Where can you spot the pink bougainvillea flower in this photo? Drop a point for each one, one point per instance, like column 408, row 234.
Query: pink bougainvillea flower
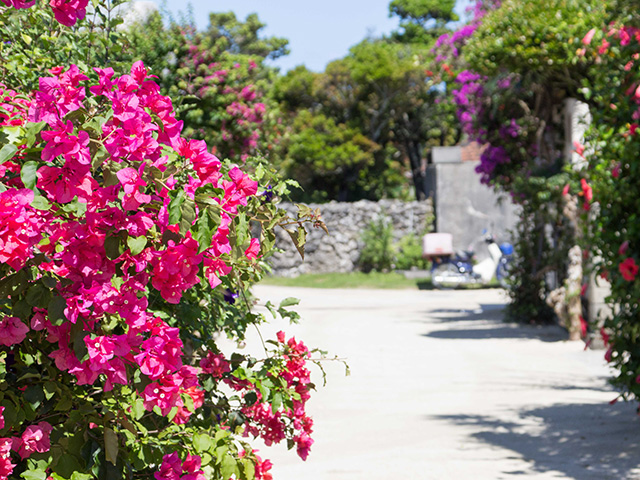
column 579, row 148
column 303, row 445
column 34, row 439
column 68, row 12
column 19, row 3
column 12, row 331
column 608, row 355
column 253, row 250
column 565, row 190
column 133, row 186
column 6, row 467
column 171, row 468
column 615, row 172
column 628, row 269
column 215, row 365
column 624, row 246
column 19, row 227
column 588, row 37
column 214, row 269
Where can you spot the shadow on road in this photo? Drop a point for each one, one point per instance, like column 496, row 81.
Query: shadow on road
column 583, row 441
column 488, row 323
column 508, row 331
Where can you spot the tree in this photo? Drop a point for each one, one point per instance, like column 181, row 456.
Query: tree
column 399, row 103
column 226, row 33
column 219, row 78
column 422, row 21
column 329, row 160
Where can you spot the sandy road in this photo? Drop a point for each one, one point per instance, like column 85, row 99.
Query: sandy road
column 441, row 388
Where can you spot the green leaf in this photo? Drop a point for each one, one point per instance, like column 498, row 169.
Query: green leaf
column 229, row 467
column 202, row 442
column 34, row 395
column 56, row 309
column 204, row 232
column 277, row 402
column 34, row 475
column 28, row 174
column 66, row 465
column 81, row 476
column 289, row 301
column 38, row 296
column 50, row 389
column 7, row 152
column 64, row 404
column 31, row 131
column 138, row 409
column 136, row 244
column 110, row 445
column 40, row 203
column 112, row 247
column 188, row 216
column 175, row 212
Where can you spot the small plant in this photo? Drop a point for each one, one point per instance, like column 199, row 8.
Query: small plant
column 409, row 253
column 378, row 252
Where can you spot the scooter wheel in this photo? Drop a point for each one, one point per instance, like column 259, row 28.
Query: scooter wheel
column 445, row 276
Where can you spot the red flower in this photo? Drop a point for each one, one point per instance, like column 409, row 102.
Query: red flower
column 587, row 193
column 615, row 173
column 583, row 327
column 628, row 269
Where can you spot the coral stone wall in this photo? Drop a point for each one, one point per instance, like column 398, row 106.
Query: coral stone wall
column 339, row 251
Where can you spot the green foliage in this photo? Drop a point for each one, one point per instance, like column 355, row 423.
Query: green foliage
column 228, row 34
column 218, row 79
column 528, row 271
column 422, row 21
column 537, row 38
column 33, row 42
column 613, row 230
column 409, row 254
column 382, row 91
column 329, row 161
column 529, row 52
column 377, row 252
column 296, row 89
column 377, row 280
column 381, row 253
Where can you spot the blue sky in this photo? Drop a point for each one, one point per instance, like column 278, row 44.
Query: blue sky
column 318, row 31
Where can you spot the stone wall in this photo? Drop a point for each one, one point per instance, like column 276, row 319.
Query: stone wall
column 339, row 251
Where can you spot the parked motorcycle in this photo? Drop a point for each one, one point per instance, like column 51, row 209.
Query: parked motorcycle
column 451, row 269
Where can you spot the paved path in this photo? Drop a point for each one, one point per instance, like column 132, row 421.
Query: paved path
column 441, row 388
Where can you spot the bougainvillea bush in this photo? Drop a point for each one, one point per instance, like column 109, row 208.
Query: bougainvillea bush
column 614, row 175
column 124, row 249
column 517, row 63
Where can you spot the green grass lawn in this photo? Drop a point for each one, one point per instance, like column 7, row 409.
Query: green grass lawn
column 350, row 280
column 391, row 280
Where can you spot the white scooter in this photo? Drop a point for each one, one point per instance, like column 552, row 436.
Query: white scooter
column 450, row 270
